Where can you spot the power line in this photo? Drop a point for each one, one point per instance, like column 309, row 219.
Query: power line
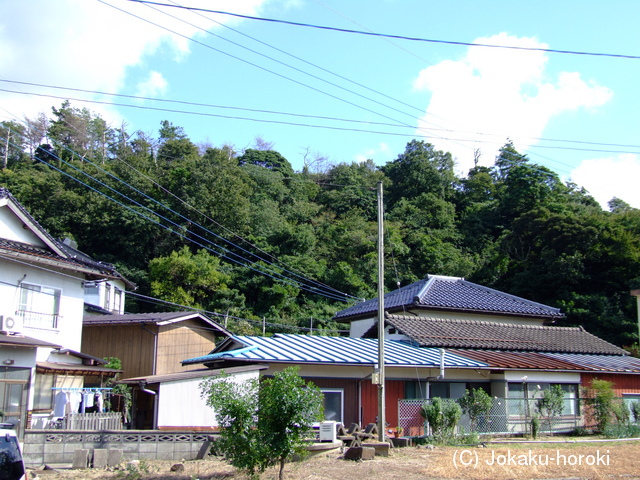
column 397, row 37
column 327, row 127
column 305, row 284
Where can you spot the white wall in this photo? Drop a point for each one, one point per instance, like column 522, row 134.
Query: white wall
column 69, row 331
column 180, row 404
column 11, row 228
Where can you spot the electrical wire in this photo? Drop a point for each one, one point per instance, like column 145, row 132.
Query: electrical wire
column 301, row 283
column 397, row 37
column 275, row 276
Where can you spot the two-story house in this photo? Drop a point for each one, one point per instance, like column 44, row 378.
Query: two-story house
column 42, row 295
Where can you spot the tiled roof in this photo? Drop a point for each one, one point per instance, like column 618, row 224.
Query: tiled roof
column 451, row 293
column 331, row 351
column 486, row 335
column 55, row 251
column 161, row 318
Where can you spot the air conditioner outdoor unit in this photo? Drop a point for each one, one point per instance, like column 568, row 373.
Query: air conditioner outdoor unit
column 328, row 431
column 10, row 324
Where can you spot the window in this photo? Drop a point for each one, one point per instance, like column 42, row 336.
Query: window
column 534, row 392
column 333, row 404
column 107, row 296
column 39, row 306
column 117, row 302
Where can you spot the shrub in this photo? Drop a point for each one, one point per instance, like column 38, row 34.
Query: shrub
column 476, row 404
column 442, row 416
column 263, row 424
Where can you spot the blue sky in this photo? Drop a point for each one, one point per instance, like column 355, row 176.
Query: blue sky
column 459, row 98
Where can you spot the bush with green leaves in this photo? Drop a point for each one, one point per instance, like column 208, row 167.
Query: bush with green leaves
column 476, row 404
column 635, row 411
column 263, row 423
column 443, row 416
column 602, row 405
column 551, row 404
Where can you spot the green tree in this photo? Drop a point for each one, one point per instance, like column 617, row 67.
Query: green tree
column 443, row 416
column 263, row 424
column 551, row 403
column 476, row 404
column 187, row 279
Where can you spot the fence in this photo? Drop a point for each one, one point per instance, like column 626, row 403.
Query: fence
column 42, row 447
column 506, row 416
column 94, row 421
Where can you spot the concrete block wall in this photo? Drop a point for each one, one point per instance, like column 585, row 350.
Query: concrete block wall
column 48, row 447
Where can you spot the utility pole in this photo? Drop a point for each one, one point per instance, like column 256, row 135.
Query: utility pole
column 382, row 424
column 636, row 293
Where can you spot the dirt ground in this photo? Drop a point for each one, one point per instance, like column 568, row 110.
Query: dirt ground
column 618, row 460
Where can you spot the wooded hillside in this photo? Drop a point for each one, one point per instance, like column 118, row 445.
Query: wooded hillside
column 242, row 234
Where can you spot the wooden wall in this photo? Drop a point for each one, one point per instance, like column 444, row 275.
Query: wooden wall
column 180, row 341
column 350, row 387
column 132, row 344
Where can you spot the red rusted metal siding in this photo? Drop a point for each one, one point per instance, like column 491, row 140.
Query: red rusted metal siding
column 621, row 383
column 394, row 391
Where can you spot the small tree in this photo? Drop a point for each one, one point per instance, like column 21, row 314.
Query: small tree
column 551, row 404
column 288, row 408
column 236, row 410
column 476, row 404
column 600, row 398
column 443, row 416
column 262, row 424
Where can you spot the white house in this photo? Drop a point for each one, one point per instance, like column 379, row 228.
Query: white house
column 42, row 292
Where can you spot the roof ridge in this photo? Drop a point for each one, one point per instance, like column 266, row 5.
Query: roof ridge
column 477, row 322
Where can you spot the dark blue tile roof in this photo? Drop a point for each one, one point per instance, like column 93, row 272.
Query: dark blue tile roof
column 451, row 293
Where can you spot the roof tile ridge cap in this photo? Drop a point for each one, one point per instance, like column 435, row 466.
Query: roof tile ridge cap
column 505, row 294
column 428, row 282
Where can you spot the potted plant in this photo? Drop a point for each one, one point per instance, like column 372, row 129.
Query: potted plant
column 399, row 431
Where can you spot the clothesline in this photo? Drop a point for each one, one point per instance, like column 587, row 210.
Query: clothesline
column 81, row 389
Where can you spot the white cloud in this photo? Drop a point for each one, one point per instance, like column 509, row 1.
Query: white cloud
column 155, row 85
column 379, row 154
column 88, row 45
column 495, row 94
column 610, row 177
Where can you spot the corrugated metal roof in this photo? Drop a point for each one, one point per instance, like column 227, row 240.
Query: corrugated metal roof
column 191, row 374
column 452, row 293
column 517, row 360
column 602, row 363
column 160, row 318
column 334, row 350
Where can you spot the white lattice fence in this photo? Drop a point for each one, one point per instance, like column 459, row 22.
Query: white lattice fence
column 507, row 415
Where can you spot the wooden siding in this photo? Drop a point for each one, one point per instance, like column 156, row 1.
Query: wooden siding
column 622, row 383
column 179, row 341
column 132, row 344
column 350, row 388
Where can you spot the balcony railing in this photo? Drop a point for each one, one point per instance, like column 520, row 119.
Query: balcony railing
column 45, row 321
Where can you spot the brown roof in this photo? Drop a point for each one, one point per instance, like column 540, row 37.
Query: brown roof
column 74, row 369
column 161, row 318
column 517, row 360
column 22, row 341
column 486, row 335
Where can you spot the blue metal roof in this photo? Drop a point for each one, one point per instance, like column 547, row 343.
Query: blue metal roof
column 439, row 292
column 285, row 348
column 602, row 363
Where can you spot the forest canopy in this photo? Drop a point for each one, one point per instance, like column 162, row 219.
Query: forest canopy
column 243, row 235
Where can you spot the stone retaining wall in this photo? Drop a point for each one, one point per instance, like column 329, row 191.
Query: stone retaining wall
column 47, row 447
